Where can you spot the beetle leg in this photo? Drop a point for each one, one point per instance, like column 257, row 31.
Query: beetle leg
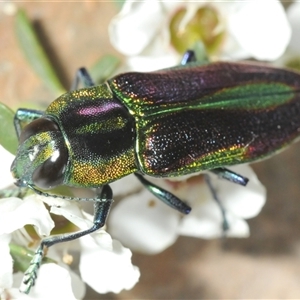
column 188, row 56
column 82, row 77
column 167, row 197
column 230, row 176
column 24, row 115
column 225, row 225
column 101, row 209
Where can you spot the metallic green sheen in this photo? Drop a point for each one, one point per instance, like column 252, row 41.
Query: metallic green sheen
column 196, row 118
column 98, row 132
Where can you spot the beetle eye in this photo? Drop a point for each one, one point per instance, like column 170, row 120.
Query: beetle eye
column 51, row 172
column 37, row 126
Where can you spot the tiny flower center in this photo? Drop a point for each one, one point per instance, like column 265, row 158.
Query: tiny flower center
column 202, row 25
column 151, row 203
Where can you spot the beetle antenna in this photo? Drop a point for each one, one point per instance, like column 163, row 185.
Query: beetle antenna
column 38, row 192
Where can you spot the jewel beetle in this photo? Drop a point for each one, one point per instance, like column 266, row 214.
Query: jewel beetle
column 194, row 117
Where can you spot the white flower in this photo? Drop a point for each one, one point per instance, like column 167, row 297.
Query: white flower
column 293, row 14
column 291, row 57
column 105, row 264
column 240, row 203
column 144, row 224
column 112, row 259
column 54, row 282
column 153, row 34
column 15, row 213
column 6, row 271
column 107, row 269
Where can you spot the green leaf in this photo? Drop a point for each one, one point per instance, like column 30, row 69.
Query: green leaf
column 119, row 3
column 35, row 53
column 8, row 137
column 104, row 68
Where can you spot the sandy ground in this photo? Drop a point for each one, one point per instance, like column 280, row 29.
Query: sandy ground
column 266, row 265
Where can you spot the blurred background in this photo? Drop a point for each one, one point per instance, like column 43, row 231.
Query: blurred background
column 265, row 265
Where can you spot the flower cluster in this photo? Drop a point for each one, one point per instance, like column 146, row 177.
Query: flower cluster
column 104, row 263
column 161, row 31
column 159, row 34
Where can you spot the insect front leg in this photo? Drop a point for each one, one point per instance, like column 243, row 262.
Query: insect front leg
column 24, row 116
column 188, row 56
column 198, row 55
column 101, row 209
column 167, row 197
column 82, row 77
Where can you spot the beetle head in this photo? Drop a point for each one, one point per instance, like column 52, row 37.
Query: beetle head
column 42, row 155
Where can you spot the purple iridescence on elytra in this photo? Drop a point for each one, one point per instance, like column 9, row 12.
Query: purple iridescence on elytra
column 96, row 110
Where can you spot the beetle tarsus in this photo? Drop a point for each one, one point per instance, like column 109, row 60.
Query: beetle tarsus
column 101, row 209
column 30, row 274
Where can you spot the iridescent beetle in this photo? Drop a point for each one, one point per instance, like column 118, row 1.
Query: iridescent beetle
column 172, row 122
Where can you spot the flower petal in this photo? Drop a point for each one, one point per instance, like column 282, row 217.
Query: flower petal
column 130, row 32
column 14, row 293
column 152, row 63
column 245, row 202
column 205, row 219
column 104, row 270
column 144, row 223
column 16, row 213
column 83, row 221
column 6, row 270
column 127, row 185
column 261, row 28
column 78, row 286
column 54, row 282
column 74, row 214
column 293, row 14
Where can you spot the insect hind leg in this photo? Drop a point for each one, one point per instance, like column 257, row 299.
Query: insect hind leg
column 101, row 209
column 231, row 176
column 225, row 224
column 165, row 196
